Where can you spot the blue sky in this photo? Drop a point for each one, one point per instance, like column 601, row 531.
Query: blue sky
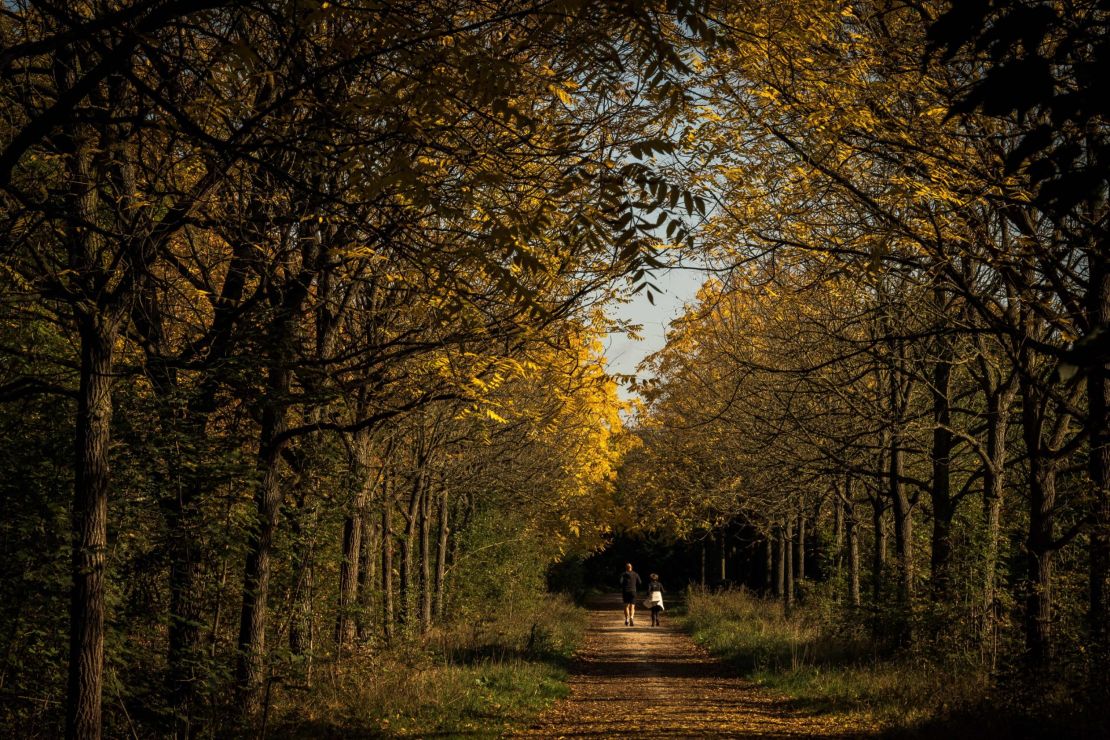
column 678, row 287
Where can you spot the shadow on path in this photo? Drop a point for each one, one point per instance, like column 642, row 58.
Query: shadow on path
column 656, row 680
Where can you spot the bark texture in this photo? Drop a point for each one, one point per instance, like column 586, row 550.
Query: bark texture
column 90, row 527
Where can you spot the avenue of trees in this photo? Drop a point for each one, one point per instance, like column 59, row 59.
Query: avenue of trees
column 302, row 305
column 899, row 375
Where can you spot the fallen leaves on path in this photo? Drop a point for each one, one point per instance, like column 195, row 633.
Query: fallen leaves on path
column 656, row 680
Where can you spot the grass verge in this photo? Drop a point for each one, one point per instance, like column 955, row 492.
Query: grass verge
column 829, row 665
column 473, row 680
column 827, row 660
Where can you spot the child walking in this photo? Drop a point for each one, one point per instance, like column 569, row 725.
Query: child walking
column 655, row 594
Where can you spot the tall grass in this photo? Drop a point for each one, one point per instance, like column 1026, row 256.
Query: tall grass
column 475, row 678
column 828, row 662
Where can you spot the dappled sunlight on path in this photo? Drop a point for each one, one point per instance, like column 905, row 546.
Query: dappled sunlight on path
column 656, row 680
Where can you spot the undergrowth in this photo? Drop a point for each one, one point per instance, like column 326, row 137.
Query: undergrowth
column 475, row 678
column 827, row 663
column 828, row 659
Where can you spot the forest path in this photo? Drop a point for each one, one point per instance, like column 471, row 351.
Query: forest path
column 643, row 679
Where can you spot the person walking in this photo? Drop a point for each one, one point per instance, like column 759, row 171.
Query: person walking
column 655, row 597
column 630, row 581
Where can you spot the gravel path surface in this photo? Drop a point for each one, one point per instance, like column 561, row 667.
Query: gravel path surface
column 643, row 679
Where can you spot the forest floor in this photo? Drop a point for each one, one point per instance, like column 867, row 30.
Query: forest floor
column 645, row 679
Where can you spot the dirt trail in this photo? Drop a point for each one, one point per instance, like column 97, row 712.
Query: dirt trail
column 656, row 680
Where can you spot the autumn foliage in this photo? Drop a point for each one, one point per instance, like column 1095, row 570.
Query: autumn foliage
column 303, row 304
column 893, row 393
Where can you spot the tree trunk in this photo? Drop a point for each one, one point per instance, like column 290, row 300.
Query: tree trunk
column 941, row 489
column 367, row 571
column 183, row 517
column 780, row 560
column 180, row 485
column 1098, row 406
column 838, row 528
column 722, row 542
column 387, row 559
column 426, row 585
column 852, row 527
column 1039, row 540
column 98, row 327
column 903, row 524
column 903, row 539
column 813, row 552
column 788, row 564
column 302, row 619
column 349, row 579
column 353, row 527
column 405, row 577
column 878, row 554
column 286, row 300
column 768, row 564
column 800, row 551
column 90, row 527
column 256, row 576
column 903, row 521
column 993, row 490
column 441, row 556
column 407, row 592
column 302, row 622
